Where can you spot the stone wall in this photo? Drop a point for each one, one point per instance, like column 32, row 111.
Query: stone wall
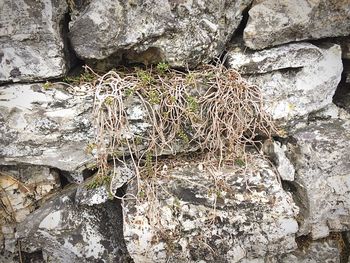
column 292, row 206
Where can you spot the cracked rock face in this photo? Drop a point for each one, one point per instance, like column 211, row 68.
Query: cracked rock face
column 31, row 42
column 179, row 32
column 321, row 158
column 67, row 229
column 44, row 127
column 296, row 79
column 22, row 190
column 327, row 251
column 253, row 217
column 272, row 22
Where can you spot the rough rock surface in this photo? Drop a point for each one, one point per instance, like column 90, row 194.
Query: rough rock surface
column 272, row 22
column 327, row 251
column 296, row 79
column 49, row 127
column 221, row 216
column 22, row 190
column 31, row 41
column 179, row 32
column 320, row 153
column 68, row 229
column 277, row 152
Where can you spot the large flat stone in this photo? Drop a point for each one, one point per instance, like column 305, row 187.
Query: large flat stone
column 179, row 32
column 31, row 41
column 66, row 229
column 272, row 22
column 320, row 153
column 296, row 79
column 49, row 127
column 328, row 250
column 195, row 214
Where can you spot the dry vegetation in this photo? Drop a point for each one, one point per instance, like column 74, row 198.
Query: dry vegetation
column 211, row 110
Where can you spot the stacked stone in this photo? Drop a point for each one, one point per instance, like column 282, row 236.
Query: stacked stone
column 294, row 209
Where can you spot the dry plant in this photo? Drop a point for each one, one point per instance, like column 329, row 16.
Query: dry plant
column 212, row 110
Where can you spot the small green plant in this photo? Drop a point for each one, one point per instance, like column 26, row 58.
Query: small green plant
column 239, row 162
column 109, row 101
column 47, row 85
column 149, row 164
column 153, row 97
column 129, row 92
column 86, row 77
column 145, row 77
column 98, row 181
column 192, row 102
column 183, row 136
column 90, row 148
column 162, row 67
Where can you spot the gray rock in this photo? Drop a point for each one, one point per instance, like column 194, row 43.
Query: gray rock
column 326, row 251
column 296, row 79
column 65, row 229
column 195, row 214
column 22, row 189
column 179, row 32
column 272, row 22
column 320, row 153
column 24, row 186
column 277, row 152
column 31, row 41
column 49, row 127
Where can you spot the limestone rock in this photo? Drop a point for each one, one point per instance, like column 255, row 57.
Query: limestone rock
column 179, row 32
column 277, row 152
column 273, row 22
column 327, row 251
column 65, row 229
column 49, row 127
column 31, row 41
column 195, row 214
column 23, row 188
column 296, row 79
column 320, row 153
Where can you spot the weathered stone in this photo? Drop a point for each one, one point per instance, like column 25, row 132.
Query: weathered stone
column 272, row 22
column 194, row 214
column 49, row 127
column 277, row 153
column 327, row 251
column 31, row 41
column 290, row 56
column 320, row 153
column 22, row 190
column 179, row 32
column 296, row 79
column 66, row 229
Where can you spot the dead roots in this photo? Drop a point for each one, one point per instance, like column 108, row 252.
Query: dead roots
column 211, row 110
